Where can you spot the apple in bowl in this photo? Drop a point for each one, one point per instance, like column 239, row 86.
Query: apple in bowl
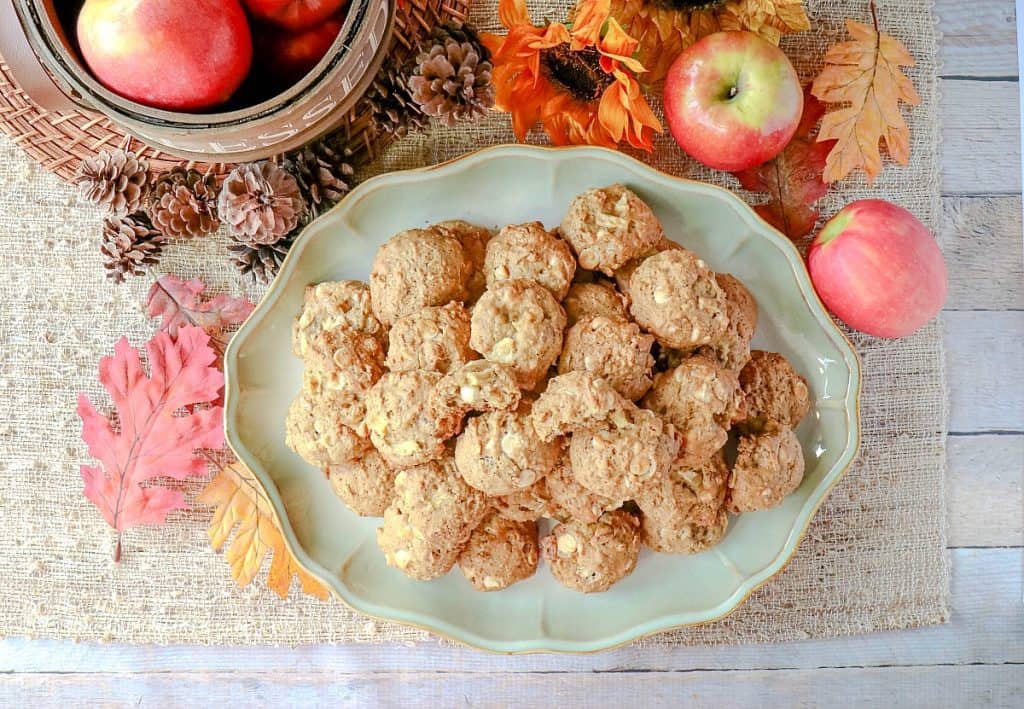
column 878, row 269
column 287, row 56
column 294, row 15
column 170, row 54
column 733, row 100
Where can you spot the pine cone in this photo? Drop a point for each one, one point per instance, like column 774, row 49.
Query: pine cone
column 321, row 172
column 117, row 180
column 452, row 79
column 461, row 33
column 260, row 202
column 392, row 109
column 183, row 204
column 130, row 243
column 260, row 262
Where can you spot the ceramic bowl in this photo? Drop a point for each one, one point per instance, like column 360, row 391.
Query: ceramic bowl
column 501, row 186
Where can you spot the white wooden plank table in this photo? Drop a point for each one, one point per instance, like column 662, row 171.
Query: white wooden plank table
column 975, row 660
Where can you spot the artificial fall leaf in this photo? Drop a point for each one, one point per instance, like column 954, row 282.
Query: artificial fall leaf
column 157, row 430
column 240, row 502
column 793, row 179
column 865, row 73
column 179, row 303
column 769, row 18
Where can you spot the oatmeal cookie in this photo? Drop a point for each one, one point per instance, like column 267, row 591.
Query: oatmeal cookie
column 615, row 350
column 572, row 402
column 775, row 393
column 474, row 240
column 499, row 452
column 596, row 298
column 591, row 556
column 681, row 536
column 768, row 467
column 366, row 484
column 674, row 296
column 335, row 305
column 318, row 436
column 415, row 269
column 531, row 252
column 430, row 519
column 341, row 366
column 435, row 338
column 702, row 399
column 732, row 349
column 633, row 448
column 623, row 274
column 527, row 505
column 519, row 323
column 686, row 494
column 607, row 227
column 480, row 386
column 500, row 553
column 401, row 422
column 570, row 500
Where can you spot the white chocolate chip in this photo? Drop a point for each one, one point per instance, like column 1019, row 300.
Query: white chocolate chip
column 406, row 447
column 512, row 445
column 660, row 296
column 468, row 394
column 378, row 424
column 567, row 544
column 491, row 582
column 504, row 351
column 402, row 557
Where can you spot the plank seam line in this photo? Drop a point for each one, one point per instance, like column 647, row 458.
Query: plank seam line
column 1007, row 79
column 233, row 674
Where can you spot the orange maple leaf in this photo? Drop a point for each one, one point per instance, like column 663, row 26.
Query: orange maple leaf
column 240, row 502
column 793, row 179
column 866, row 74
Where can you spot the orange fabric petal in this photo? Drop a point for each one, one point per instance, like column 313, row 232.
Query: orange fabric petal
column 589, row 19
column 625, row 114
column 513, row 12
column 618, row 47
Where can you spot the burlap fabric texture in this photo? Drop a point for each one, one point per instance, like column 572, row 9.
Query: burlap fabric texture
column 873, row 559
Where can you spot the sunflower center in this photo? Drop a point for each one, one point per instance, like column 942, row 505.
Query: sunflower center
column 578, row 72
column 685, row 5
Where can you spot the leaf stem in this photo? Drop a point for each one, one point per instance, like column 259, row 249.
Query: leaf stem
column 117, row 549
column 874, row 14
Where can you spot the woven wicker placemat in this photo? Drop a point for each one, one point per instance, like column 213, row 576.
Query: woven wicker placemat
column 874, row 557
column 59, row 142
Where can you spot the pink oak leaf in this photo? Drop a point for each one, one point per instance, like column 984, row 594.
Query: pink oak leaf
column 157, row 431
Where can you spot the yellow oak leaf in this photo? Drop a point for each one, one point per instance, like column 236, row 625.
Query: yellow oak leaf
column 239, row 502
column 866, row 74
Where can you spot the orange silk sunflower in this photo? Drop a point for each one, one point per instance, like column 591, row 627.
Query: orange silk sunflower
column 579, row 83
column 664, row 28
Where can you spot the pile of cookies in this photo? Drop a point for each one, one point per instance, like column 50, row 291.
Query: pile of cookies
column 591, row 375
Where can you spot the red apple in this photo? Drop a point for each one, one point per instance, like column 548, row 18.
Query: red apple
column 182, row 56
column 289, row 56
column 878, row 269
column 294, row 15
column 733, row 100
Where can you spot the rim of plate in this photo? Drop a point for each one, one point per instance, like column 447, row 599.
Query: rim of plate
column 548, row 644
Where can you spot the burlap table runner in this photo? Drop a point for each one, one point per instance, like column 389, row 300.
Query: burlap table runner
column 873, row 559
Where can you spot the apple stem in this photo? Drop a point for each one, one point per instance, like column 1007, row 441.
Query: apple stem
column 874, row 14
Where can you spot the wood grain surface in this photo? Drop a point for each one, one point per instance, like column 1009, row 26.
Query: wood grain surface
column 975, row 660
